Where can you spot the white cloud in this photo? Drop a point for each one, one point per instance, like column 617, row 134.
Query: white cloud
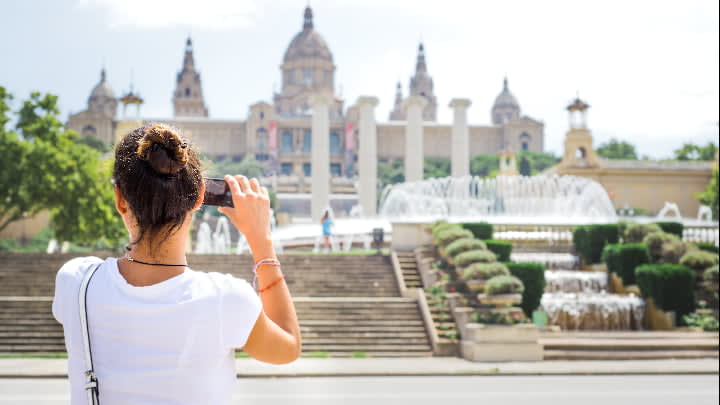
column 205, row 14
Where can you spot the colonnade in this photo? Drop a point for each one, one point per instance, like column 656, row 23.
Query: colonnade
column 367, row 148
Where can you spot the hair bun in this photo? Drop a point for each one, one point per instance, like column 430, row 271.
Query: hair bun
column 163, row 149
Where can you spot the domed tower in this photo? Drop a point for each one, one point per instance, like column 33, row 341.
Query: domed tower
column 421, row 84
column 188, row 97
column 102, row 98
column 506, row 107
column 307, row 68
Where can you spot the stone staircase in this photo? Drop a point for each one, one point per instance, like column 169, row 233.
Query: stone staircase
column 442, row 318
column 347, row 305
column 630, row 345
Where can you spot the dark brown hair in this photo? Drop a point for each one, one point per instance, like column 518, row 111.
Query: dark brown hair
column 159, row 175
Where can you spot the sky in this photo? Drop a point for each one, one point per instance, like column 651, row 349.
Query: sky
column 649, row 69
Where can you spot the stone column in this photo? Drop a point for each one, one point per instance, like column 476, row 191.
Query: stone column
column 414, row 153
column 320, row 155
column 460, row 151
column 367, row 155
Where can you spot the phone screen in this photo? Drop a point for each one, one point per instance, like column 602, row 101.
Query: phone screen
column 217, row 192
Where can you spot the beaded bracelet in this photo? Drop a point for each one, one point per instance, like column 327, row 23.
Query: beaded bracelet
column 269, row 262
column 271, row 285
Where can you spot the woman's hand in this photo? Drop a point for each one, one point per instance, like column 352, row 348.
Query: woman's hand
column 251, row 212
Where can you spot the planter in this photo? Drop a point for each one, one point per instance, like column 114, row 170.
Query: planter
column 501, row 343
column 455, row 300
column 463, row 316
column 476, row 285
column 500, row 300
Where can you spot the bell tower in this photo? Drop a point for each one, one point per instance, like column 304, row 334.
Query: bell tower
column 579, row 151
column 188, row 97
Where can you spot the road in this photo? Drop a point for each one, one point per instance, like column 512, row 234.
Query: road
column 510, row 390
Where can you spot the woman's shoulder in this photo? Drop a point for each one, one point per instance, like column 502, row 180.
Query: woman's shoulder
column 76, row 268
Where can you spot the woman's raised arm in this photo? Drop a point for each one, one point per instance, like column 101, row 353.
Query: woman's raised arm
column 275, row 338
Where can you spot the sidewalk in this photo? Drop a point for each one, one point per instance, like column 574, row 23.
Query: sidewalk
column 432, row 366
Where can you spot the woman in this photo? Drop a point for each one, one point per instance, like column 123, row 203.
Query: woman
column 160, row 332
column 327, row 224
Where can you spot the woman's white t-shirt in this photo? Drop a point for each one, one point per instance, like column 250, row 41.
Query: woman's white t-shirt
column 170, row 343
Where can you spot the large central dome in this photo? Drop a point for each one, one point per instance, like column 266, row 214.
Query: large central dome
column 308, row 43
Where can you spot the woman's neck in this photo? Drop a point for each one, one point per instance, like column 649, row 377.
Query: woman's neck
column 169, row 251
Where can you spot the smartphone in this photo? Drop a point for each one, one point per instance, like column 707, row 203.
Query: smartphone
column 217, row 192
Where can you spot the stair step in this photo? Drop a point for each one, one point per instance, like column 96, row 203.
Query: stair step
column 627, row 355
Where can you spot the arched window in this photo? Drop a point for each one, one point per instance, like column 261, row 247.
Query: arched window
column 307, row 141
column 335, row 169
column 335, row 147
column 307, row 76
column 286, row 142
column 88, row 130
column 187, row 92
column 307, row 169
column 262, row 140
column 524, row 141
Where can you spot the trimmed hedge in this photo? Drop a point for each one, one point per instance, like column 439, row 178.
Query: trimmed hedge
column 711, row 274
column 655, row 241
column 441, row 227
column 532, row 276
column 708, row 247
column 590, row 240
column 481, row 230
column 623, row 259
column 699, row 260
column 675, row 228
column 635, row 233
column 501, row 249
column 463, row 245
column 485, row 271
column 474, row 256
column 450, row 235
column 671, row 286
column 504, row 285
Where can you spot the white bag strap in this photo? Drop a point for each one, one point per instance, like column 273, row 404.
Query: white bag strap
column 91, row 382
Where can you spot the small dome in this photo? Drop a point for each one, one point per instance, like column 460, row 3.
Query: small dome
column 308, row 43
column 102, row 89
column 505, row 98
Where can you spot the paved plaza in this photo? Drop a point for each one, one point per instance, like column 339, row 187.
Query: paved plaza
column 460, row 390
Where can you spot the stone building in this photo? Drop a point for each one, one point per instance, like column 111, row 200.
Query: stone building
column 632, row 184
column 279, row 133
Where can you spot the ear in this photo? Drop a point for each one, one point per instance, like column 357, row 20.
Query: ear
column 202, row 197
column 121, row 204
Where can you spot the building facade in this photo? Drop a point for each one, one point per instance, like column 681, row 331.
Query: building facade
column 279, row 133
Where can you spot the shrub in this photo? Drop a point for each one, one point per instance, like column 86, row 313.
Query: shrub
column 707, row 322
column 501, row 249
column 442, row 226
column 708, row 247
column 675, row 228
column 498, row 318
column 655, row 241
column 504, row 285
column 481, row 230
column 463, row 245
column 669, row 285
column 635, row 233
column 699, row 260
column 590, row 240
column 623, row 259
column 622, row 227
column 474, row 256
column 711, row 274
column 532, row 276
column 485, row 271
column 450, row 235
column 673, row 251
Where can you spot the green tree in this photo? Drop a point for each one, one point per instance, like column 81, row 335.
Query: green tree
column 484, row 165
column 94, row 142
column 248, row 167
column 690, row 151
column 525, row 168
column 616, row 149
column 436, row 167
column 391, row 172
column 51, row 171
column 709, row 197
column 539, row 162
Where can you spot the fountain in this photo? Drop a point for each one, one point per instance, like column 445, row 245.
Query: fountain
column 593, row 311
column 503, row 199
column 569, row 281
column 667, row 209
column 704, row 213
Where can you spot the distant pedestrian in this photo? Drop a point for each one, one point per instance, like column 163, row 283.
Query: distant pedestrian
column 327, row 225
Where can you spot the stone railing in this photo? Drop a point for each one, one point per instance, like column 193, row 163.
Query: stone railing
column 704, row 234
